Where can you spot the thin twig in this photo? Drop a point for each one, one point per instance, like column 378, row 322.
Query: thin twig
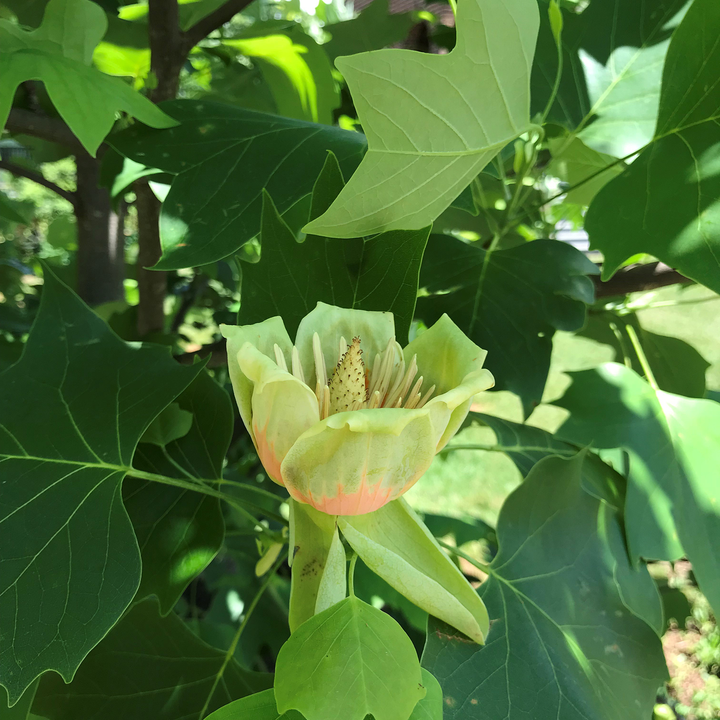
column 216, row 19
column 233, row 645
column 37, row 177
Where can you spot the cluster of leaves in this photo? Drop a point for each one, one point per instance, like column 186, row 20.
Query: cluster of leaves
column 141, row 548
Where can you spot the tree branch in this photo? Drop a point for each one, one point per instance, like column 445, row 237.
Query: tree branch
column 202, row 28
column 638, row 278
column 37, row 177
column 54, row 130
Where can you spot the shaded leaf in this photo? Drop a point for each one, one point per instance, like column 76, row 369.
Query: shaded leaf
column 170, row 425
column 380, row 273
column 434, row 121
column 678, row 367
column 672, row 505
column 375, row 28
column 72, row 410
column 563, row 645
column 666, row 203
column 59, row 53
column 237, row 153
column 147, row 667
column 180, row 531
column 355, row 660
column 509, row 302
column 431, row 706
column 9, row 211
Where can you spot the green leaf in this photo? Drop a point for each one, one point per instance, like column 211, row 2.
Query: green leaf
column 375, row 28
column 355, row 661
column 678, row 367
column 431, row 706
column 59, row 53
column 63, row 232
column 563, row 645
column 574, row 162
column 612, row 57
column 434, row 121
column 72, row 410
column 298, row 72
column 9, row 211
column 214, row 147
column 509, row 302
column 260, row 706
column 147, row 667
column 180, row 531
column 380, row 273
column 21, row 709
column 171, row 424
column 673, row 497
column 665, row 203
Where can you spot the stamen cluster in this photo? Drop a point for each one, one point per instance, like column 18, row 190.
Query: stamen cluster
column 354, row 386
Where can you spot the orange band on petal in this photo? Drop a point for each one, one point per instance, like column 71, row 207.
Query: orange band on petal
column 266, row 453
column 366, row 499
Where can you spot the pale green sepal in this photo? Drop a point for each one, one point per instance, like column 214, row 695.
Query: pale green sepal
column 333, row 583
column 395, row 544
column 311, row 537
column 264, row 336
column 331, row 323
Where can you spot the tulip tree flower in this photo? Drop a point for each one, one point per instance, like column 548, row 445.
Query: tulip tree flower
column 346, row 419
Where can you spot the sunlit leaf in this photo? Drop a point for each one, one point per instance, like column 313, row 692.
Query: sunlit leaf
column 434, row 121
column 355, row 660
column 563, row 644
column 666, row 202
column 71, row 413
column 213, row 148
column 59, row 53
column 673, row 497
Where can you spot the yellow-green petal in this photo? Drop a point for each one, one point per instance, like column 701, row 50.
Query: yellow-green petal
column 282, row 408
column 395, row 544
column 314, row 552
column 356, row 462
column 452, row 362
column 331, row 323
column 264, row 336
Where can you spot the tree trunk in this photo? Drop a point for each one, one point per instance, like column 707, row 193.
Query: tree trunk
column 101, row 237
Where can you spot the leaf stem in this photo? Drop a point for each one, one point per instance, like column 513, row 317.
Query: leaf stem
column 642, row 357
column 508, row 449
column 233, row 645
column 485, row 568
column 351, row 575
column 177, row 465
column 558, row 79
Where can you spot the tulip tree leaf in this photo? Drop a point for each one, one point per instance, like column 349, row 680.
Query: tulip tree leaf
column 147, row 667
column 21, row 709
column 434, row 121
column 260, row 706
column 375, row 28
column 380, row 273
column 666, row 202
column 509, row 302
column 673, row 497
column 180, row 531
column 562, row 643
column 678, row 367
column 612, row 55
column 59, row 53
column 72, row 410
column 297, row 71
column 213, row 148
column 355, row 661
